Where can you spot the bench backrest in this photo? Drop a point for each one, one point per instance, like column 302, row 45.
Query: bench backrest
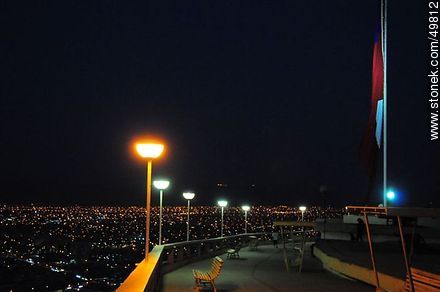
column 423, row 281
column 216, row 267
column 253, row 243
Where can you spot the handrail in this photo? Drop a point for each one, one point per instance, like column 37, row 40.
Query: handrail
column 396, row 211
column 143, row 276
column 182, row 243
column 165, row 258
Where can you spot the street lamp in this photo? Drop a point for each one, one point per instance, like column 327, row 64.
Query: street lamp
column 149, row 151
column 302, row 209
column 188, row 196
column 245, row 208
column 161, row 185
column 391, row 195
column 222, row 204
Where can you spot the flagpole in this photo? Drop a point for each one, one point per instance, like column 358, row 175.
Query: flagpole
column 385, row 127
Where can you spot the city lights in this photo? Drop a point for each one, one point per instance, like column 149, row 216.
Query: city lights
column 112, row 238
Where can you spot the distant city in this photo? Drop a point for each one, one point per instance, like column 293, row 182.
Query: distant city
column 75, row 248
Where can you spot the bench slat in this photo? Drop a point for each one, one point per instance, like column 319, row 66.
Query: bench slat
column 212, row 274
column 423, row 281
column 423, row 276
column 421, row 287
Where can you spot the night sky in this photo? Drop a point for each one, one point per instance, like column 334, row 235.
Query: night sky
column 274, row 94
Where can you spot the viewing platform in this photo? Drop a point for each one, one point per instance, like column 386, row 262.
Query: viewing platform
column 263, row 270
column 257, row 269
column 302, row 263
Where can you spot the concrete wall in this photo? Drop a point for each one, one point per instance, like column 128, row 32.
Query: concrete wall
column 352, row 219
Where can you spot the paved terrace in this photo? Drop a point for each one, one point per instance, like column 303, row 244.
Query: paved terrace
column 263, row 270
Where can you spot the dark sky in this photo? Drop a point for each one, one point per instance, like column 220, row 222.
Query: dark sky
column 271, row 93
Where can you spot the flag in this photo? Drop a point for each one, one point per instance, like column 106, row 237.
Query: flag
column 372, row 139
column 377, row 88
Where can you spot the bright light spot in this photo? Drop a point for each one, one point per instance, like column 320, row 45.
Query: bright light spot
column 149, row 150
column 222, row 203
column 391, row 195
column 302, row 208
column 189, row 196
column 161, row 184
column 245, row 208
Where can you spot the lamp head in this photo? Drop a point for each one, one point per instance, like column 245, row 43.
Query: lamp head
column 302, row 208
column 149, row 150
column 161, row 184
column 391, row 195
column 222, row 203
column 245, row 208
column 188, row 195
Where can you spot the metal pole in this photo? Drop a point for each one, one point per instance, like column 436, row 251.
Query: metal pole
column 187, row 223
column 402, row 240
column 325, row 213
column 302, row 216
column 370, row 244
column 385, row 123
column 222, row 224
column 245, row 222
column 160, row 217
column 303, row 242
column 286, row 260
column 411, row 251
column 147, row 221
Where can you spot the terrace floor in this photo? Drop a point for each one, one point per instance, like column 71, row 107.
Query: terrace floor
column 264, row 270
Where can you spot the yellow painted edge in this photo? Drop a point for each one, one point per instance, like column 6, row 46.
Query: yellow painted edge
column 139, row 277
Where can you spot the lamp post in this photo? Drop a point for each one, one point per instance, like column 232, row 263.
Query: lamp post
column 188, row 196
column 149, row 151
column 302, row 209
column 222, row 204
column 161, row 185
column 245, row 208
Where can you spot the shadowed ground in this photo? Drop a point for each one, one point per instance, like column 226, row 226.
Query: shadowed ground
column 264, row 270
column 389, row 255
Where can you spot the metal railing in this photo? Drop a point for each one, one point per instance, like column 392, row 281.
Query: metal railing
column 168, row 257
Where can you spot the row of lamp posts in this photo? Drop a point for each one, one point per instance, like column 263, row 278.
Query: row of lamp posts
column 162, row 185
column 150, row 150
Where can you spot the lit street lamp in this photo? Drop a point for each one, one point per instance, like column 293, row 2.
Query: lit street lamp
column 222, row 204
column 391, row 195
column 302, row 209
column 161, row 185
column 245, row 208
column 149, row 151
column 188, row 196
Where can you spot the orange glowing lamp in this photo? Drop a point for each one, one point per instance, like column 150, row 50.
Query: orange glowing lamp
column 149, row 150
